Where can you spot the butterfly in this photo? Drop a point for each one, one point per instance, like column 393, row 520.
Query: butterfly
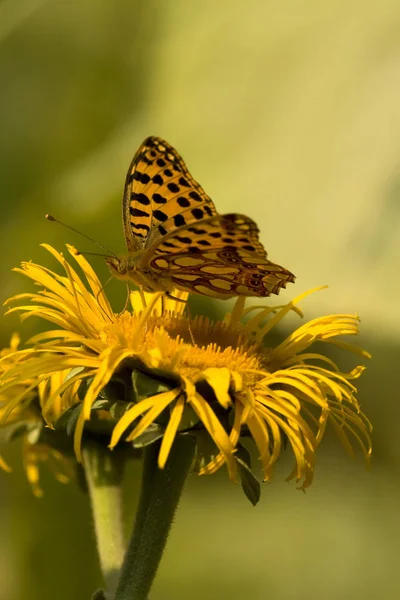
column 176, row 238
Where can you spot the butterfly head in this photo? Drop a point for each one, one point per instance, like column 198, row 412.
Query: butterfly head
column 121, row 268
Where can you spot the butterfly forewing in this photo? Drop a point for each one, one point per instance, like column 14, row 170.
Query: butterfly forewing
column 160, row 195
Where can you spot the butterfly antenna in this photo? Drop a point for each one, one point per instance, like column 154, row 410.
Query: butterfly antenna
column 110, row 253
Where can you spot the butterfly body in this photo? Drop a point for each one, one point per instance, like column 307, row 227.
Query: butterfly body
column 176, row 238
column 126, row 269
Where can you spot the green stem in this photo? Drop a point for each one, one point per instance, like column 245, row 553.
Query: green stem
column 161, row 490
column 103, row 470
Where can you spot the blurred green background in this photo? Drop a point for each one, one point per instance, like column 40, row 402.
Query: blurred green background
column 288, row 112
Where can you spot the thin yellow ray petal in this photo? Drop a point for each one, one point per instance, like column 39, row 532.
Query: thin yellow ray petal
column 80, row 424
column 279, row 316
column 170, row 432
column 133, row 413
column 109, row 361
column 213, row 466
column 159, row 405
column 216, row 431
column 219, row 378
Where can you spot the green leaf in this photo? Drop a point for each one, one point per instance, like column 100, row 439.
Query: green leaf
column 250, row 484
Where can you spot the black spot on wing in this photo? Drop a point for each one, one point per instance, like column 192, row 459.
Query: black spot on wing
column 141, row 198
column 160, row 215
column 183, row 239
column 197, row 231
column 158, row 180
column 195, row 196
column 140, row 226
column 198, row 213
column 158, row 199
column 184, row 202
column 173, row 187
column 136, row 212
column 138, row 176
column 179, row 220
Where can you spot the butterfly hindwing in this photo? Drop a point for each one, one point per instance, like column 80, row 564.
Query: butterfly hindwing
column 160, row 195
column 222, row 272
column 221, row 257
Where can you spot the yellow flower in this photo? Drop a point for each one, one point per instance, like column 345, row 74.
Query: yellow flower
column 25, row 411
column 156, row 372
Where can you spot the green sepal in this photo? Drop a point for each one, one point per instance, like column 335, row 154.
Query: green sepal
column 68, row 419
column 100, row 404
column 145, row 385
column 118, row 409
column 118, row 389
column 153, row 433
column 189, row 419
column 250, row 484
column 74, row 371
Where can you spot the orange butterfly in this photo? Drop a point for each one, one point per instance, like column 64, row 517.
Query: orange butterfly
column 176, row 238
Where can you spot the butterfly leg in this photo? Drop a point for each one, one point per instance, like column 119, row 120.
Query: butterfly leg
column 190, row 329
column 142, row 297
column 128, row 294
column 169, row 295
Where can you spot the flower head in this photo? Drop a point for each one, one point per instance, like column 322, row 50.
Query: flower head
column 154, row 372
